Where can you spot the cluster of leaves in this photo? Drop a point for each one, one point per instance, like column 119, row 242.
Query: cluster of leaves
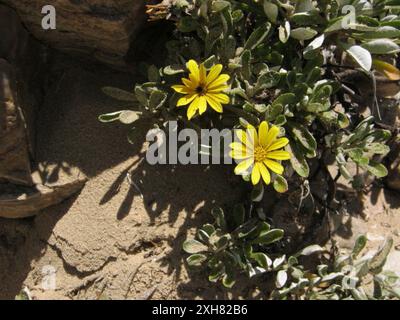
column 233, row 246
column 349, row 277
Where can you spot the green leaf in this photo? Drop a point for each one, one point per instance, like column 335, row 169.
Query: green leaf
column 281, row 279
column 359, row 245
column 110, row 117
column 258, row 193
column 258, row 36
column 173, row 70
column 360, row 55
column 119, row 94
column 228, row 281
column 196, row 260
column 219, row 5
column 298, row 161
column 194, row 246
column 382, row 32
column 128, row 116
column 157, row 99
column 377, row 169
column 303, row 136
column 303, row 33
column 314, row 45
column 269, row 237
column 381, row 46
column 262, row 259
column 310, row 250
column 280, row 184
column 284, row 32
column 219, row 217
column 379, row 259
column 271, row 10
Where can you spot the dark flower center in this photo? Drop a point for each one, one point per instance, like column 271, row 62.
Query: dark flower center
column 200, row 90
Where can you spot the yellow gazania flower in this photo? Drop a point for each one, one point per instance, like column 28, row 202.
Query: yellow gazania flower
column 202, row 89
column 258, row 152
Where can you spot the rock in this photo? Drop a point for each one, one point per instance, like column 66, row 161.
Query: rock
column 21, row 59
column 31, row 200
column 14, row 151
column 99, row 28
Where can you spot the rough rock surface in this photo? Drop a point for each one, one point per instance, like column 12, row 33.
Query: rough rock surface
column 14, row 151
column 99, row 28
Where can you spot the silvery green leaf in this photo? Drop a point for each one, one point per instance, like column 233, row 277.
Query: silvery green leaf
column 157, row 99
column 379, row 259
column 228, row 281
column 298, row 161
column 269, row 237
column 381, row 46
column 281, row 279
column 257, row 36
column 377, row 169
column 359, row 245
column 119, row 94
column 284, row 32
column 382, row 32
column 310, row 250
column 280, row 184
column 110, row 117
column 219, row 5
column 314, row 45
column 128, row 116
column 303, row 33
column 173, row 69
column 278, row 262
column 271, row 10
column 219, row 217
column 332, row 276
column 262, row 259
column 304, row 6
column 194, row 246
column 360, row 55
column 258, row 193
column 196, row 260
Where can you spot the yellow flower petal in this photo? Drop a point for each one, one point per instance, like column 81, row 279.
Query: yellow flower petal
column 203, row 74
column 188, row 83
column 181, row 89
column 278, row 144
column 202, row 104
column 194, row 69
column 272, row 135
column 266, row 176
column 244, row 166
column 252, row 135
column 193, row 108
column 218, row 89
column 274, row 166
column 245, row 139
column 239, row 151
column 221, row 80
column 214, row 73
column 216, row 105
column 223, row 98
column 186, row 100
column 262, row 133
column 278, row 155
column 255, row 175
column 239, row 155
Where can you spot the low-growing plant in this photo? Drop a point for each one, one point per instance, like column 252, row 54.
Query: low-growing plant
column 349, row 277
column 276, row 69
column 232, row 245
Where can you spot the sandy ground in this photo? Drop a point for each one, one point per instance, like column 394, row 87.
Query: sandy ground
column 112, row 242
